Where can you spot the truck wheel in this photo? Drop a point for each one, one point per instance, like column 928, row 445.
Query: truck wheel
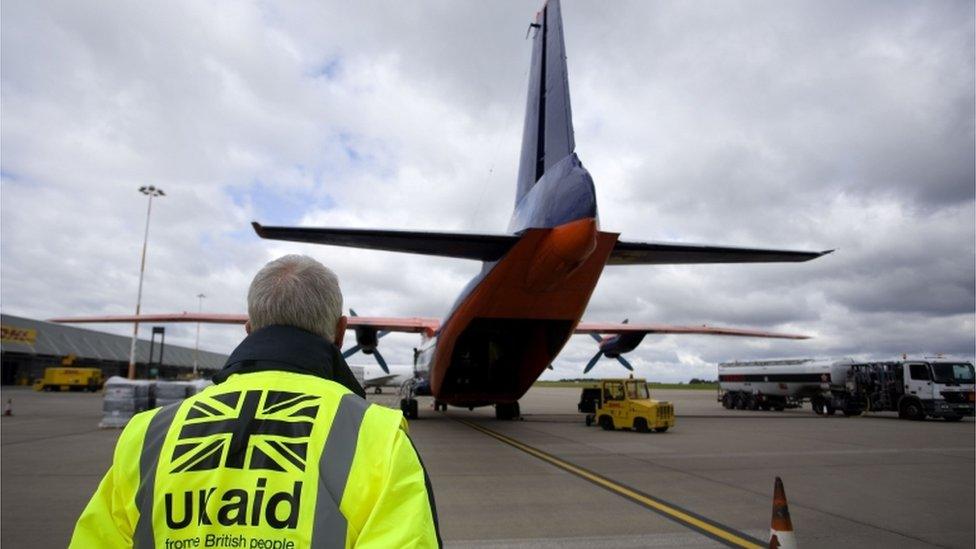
column 952, row 418
column 727, row 401
column 660, row 429
column 911, row 409
column 606, row 422
column 589, row 420
column 817, row 403
column 778, row 408
column 740, row 402
column 851, row 413
column 640, row 425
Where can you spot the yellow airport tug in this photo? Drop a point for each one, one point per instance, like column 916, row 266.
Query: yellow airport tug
column 625, row 404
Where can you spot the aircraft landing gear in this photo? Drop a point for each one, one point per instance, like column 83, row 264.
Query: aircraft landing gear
column 507, row 411
column 409, row 408
column 440, row 406
column 378, row 390
column 408, row 404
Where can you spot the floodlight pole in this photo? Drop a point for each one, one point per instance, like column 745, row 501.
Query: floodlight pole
column 196, row 348
column 151, row 192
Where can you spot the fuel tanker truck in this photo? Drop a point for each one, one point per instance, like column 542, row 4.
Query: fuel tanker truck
column 916, row 389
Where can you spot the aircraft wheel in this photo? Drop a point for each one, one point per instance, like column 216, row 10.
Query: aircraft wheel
column 378, row 391
column 507, row 410
column 409, row 408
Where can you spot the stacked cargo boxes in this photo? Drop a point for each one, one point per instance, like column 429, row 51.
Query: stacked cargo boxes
column 169, row 392
column 123, row 399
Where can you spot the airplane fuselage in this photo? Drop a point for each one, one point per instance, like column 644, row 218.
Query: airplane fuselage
column 514, row 317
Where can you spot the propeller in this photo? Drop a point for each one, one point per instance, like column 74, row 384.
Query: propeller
column 599, row 354
column 375, row 352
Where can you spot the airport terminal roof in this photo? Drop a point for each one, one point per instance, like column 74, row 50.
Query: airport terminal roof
column 25, row 335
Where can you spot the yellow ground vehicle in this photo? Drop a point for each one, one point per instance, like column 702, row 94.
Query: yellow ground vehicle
column 625, row 404
column 70, row 379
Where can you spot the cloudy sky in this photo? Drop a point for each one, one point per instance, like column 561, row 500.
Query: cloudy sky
column 807, row 125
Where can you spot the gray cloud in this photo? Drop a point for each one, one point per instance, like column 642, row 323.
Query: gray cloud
column 811, row 125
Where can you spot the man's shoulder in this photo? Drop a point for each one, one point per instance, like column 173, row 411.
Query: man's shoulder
column 381, row 417
column 277, row 381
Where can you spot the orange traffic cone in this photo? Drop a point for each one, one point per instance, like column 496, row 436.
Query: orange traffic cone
column 8, row 410
column 781, row 530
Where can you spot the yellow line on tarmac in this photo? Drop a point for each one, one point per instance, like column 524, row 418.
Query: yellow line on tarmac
column 691, row 520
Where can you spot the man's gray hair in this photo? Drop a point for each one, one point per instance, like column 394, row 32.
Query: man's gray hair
column 295, row 290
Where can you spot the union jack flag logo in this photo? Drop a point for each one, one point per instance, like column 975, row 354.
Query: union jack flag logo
column 262, row 429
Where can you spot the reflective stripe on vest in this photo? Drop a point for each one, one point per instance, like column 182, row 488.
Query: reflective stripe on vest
column 329, row 528
column 143, row 538
column 340, row 447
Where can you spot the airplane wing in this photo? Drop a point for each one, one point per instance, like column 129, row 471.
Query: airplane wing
column 379, row 380
column 391, row 324
column 491, row 247
column 661, row 253
column 483, row 247
column 205, row 318
column 622, row 328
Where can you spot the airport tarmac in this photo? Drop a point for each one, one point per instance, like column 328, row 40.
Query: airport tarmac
column 869, row 481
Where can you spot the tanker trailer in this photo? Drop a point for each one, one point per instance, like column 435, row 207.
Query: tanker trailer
column 783, row 383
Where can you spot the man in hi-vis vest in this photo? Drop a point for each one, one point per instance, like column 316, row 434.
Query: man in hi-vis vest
column 283, row 452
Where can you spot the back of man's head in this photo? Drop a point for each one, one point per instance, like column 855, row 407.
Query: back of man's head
column 295, row 290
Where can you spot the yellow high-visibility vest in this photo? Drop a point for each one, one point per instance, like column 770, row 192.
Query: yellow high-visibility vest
column 264, row 460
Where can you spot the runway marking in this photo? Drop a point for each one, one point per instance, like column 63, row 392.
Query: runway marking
column 689, row 519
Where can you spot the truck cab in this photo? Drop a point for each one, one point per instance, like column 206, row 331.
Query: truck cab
column 938, row 389
column 625, row 404
column 916, row 389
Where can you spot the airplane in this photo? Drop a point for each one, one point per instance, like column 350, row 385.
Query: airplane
column 513, row 318
column 376, row 378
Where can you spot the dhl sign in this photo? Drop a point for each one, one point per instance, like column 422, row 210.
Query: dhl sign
column 12, row 334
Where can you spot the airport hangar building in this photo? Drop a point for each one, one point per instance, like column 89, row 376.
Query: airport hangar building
column 29, row 346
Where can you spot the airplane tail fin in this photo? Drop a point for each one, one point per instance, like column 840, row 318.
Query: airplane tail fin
column 547, row 136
